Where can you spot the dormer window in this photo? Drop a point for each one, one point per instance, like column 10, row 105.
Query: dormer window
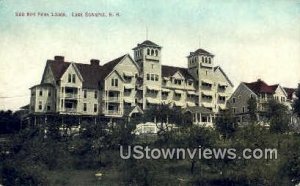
column 69, row 78
column 156, row 52
column 73, row 78
column 209, row 60
column 202, row 59
column 177, row 81
column 114, row 82
column 148, row 51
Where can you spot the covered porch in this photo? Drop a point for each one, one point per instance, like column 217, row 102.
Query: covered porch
column 200, row 116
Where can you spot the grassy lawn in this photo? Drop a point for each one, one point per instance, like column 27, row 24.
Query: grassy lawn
column 83, row 177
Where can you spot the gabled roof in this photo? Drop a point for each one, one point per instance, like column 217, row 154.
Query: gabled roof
column 290, row 92
column 58, row 68
column 201, row 51
column 147, row 43
column 109, row 66
column 260, row 86
column 168, row 71
column 93, row 75
column 221, row 70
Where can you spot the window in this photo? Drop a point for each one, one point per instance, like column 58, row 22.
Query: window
column 221, row 98
column 69, row 78
column 251, row 96
column 84, row 93
column 209, row 60
column 152, row 52
column 62, row 103
column 84, row 107
column 127, row 91
column 156, row 77
column 96, row 94
column 114, row 82
column 73, row 78
column 233, row 100
column 177, row 81
column 164, row 94
column 197, row 72
column 156, row 52
column 202, row 59
column 148, row 77
column 95, row 107
column 49, row 93
column 233, row 110
column 205, row 60
column 282, row 99
column 190, row 83
column 244, row 109
column 48, row 108
column 62, row 89
column 41, row 93
column 40, row 105
column 177, row 95
column 32, row 93
column 148, row 51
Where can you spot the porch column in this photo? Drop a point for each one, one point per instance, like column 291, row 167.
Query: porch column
column 200, row 118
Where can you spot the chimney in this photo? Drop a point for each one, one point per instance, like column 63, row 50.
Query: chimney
column 59, row 58
column 95, row 62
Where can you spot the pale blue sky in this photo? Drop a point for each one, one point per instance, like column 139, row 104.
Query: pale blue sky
column 250, row 38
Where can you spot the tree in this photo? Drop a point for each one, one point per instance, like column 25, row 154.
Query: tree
column 296, row 104
column 252, row 109
column 226, row 124
column 9, row 122
column 278, row 116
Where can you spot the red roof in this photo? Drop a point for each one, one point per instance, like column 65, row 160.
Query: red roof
column 260, row 86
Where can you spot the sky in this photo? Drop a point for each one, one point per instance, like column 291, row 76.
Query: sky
column 250, row 39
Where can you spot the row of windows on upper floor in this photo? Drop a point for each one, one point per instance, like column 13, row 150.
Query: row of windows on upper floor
column 150, row 52
column 262, row 96
column 193, row 60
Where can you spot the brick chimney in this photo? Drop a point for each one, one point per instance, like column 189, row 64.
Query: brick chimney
column 59, row 58
column 95, row 62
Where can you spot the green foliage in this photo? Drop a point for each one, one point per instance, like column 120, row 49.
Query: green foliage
column 252, row 109
column 9, row 122
column 34, row 154
column 278, row 116
column 226, row 124
column 296, row 104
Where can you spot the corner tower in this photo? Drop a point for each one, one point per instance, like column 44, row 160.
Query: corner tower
column 201, row 67
column 148, row 56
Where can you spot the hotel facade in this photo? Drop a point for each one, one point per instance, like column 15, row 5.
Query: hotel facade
column 129, row 85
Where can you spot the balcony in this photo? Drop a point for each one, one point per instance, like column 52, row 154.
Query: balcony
column 71, row 95
column 112, row 99
column 70, row 110
column 113, row 112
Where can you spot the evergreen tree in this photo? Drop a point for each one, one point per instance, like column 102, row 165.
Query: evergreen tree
column 296, row 104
